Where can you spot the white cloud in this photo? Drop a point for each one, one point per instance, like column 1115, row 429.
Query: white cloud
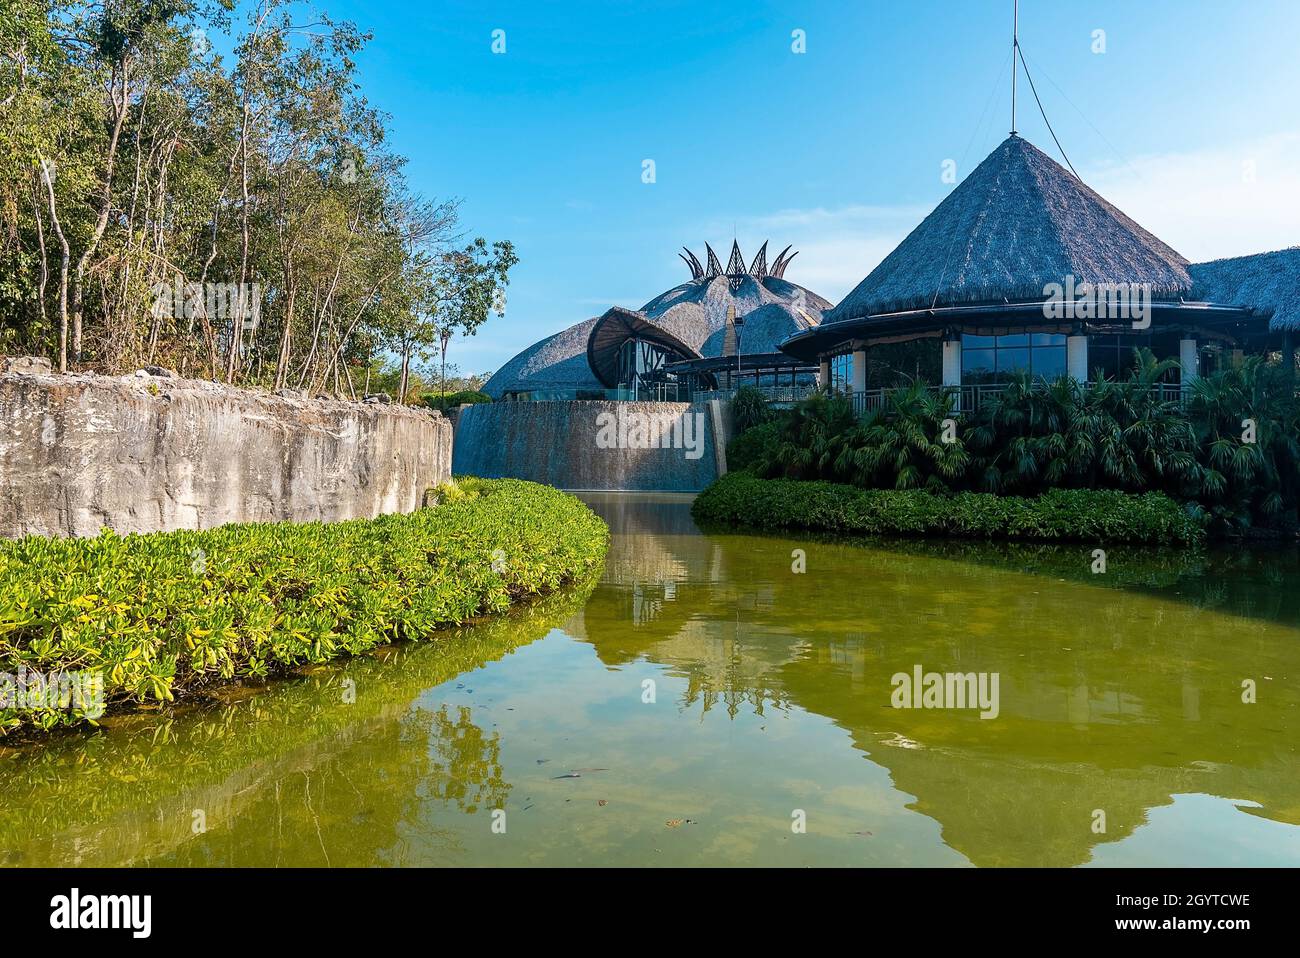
column 1226, row 200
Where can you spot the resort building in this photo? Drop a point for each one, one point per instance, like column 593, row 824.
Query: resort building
column 722, row 328
column 1025, row 269
column 1022, row 269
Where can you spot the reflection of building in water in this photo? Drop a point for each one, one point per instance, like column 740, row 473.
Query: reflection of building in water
column 668, row 589
column 1120, row 708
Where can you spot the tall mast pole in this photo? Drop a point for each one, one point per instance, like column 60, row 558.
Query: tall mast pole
column 1015, row 49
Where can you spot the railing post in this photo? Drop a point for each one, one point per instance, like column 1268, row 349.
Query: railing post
column 1189, row 358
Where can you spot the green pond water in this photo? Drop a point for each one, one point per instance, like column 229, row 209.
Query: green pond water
column 1119, row 692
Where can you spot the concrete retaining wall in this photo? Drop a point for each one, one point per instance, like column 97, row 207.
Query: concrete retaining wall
column 146, row 453
column 568, row 444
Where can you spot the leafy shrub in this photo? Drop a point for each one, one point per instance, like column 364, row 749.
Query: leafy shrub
column 901, row 444
column 814, row 434
column 749, row 408
column 445, row 401
column 453, row 490
column 755, row 446
column 1037, row 436
column 1242, row 481
column 162, row 614
column 742, row 499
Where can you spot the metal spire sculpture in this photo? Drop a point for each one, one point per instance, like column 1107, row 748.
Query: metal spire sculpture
column 759, row 268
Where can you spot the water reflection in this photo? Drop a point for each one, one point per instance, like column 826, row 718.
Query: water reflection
column 324, row 769
column 1120, row 693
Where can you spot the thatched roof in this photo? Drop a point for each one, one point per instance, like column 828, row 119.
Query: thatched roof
column 1017, row 223
column 1269, row 283
column 616, row 327
column 696, row 312
column 763, row 331
column 556, row 362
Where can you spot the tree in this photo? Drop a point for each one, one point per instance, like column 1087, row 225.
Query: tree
column 469, row 285
column 237, row 216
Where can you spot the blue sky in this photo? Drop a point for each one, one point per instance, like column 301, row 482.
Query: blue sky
column 1187, row 121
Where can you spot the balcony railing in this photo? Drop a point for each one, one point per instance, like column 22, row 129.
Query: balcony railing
column 776, row 395
column 969, row 397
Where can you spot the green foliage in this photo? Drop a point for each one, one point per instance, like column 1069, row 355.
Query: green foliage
column 755, row 446
column 445, row 401
column 149, row 147
column 901, row 444
column 813, row 436
column 1036, row 436
column 742, row 499
column 749, row 408
column 164, row 614
column 1243, row 481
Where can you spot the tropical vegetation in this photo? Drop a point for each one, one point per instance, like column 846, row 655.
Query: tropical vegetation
column 450, row 400
column 1229, row 451
column 185, row 187
column 164, row 615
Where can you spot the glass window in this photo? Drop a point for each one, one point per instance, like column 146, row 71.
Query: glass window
column 977, row 365
column 1114, row 355
column 842, row 372
column 1104, row 362
column 1012, row 361
column 990, row 359
column 1049, row 361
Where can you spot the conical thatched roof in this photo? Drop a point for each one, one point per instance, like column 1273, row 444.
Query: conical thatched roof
column 1267, row 282
column 1017, row 223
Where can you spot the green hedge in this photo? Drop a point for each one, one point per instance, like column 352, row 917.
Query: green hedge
column 741, row 499
column 163, row 614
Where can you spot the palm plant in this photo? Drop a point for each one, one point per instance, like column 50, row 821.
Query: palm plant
column 749, row 408
column 814, row 433
column 1245, row 421
column 903, row 444
column 1029, row 436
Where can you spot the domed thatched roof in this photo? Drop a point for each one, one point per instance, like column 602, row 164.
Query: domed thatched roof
column 692, row 315
column 1017, row 223
column 695, row 313
column 557, row 362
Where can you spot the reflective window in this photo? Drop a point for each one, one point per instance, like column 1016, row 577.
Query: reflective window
column 842, row 372
column 1113, row 356
column 995, row 359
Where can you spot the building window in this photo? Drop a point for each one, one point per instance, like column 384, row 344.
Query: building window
column 1113, row 355
column 842, row 372
column 996, row 359
column 641, row 368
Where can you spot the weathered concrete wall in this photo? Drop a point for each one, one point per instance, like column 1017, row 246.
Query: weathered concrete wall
column 562, row 444
column 143, row 453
